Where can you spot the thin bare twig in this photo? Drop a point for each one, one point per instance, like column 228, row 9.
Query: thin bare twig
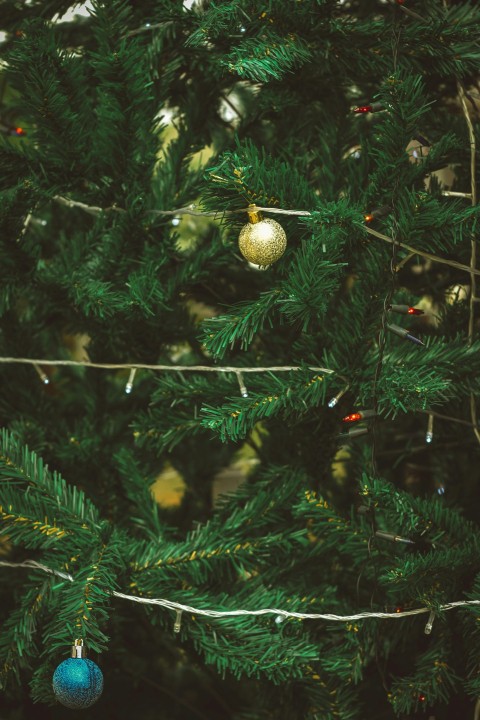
column 403, row 262
column 422, row 253
column 473, row 244
column 447, row 417
column 476, row 715
column 453, row 193
column 413, row 14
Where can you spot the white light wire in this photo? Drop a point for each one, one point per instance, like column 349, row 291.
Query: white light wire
column 166, row 368
column 170, row 605
column 36, row 362
column 191, row 210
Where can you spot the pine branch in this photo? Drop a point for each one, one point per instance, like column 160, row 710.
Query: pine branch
column 27, row 481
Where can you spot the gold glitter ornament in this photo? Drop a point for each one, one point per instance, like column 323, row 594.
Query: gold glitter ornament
column 261, row 242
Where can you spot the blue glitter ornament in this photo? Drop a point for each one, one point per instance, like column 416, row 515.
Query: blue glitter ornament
column 77, row 682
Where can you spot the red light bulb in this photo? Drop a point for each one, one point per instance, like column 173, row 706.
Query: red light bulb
column 363, row 109
column 422, row 697
column 19, row 131
column 414, row 311
column 353, row 417
column 368, row 218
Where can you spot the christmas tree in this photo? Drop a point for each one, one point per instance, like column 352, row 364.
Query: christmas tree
column 306, row 395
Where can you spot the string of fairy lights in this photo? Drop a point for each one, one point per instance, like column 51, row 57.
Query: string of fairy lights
column 239, row 372
column 254, row 212
column 280, row 613
column 194, row 211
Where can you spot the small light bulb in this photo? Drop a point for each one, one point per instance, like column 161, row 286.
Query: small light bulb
column 429, row 625
column 441, row 490
column 241, row 384
column 131, row 378
column 338, row 396
column 147, row 25
column 353, row 417
column 42, row 374
column 228, row 115
column 243, row 29
column 175, row 221
column 178, row 622
column 354, row 432
column 361, row 415
column 279, row 619
column 404, row 333
column 429, row 433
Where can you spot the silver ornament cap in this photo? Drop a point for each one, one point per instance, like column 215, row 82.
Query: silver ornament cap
column 78, row 649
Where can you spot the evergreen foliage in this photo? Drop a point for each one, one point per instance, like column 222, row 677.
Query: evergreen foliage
column 148, row 127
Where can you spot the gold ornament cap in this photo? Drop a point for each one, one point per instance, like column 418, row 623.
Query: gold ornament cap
column 261, row 242
column 254, row 215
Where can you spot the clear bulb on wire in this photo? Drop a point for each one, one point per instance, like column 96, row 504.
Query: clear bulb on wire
column 429, row 433
column 131, row 378
column 334, row 400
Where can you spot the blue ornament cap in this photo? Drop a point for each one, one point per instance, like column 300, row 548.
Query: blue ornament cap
column 77, row 683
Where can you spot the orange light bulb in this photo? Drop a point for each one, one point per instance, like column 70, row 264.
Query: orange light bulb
column 353, row 417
